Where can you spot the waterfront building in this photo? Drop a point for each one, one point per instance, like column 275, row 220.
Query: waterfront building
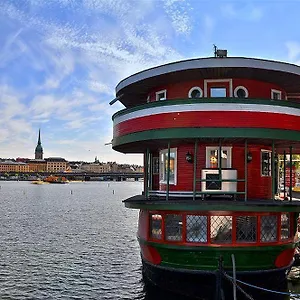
column 56, row 164
column 37, row 165
column 96, row 167
column 211, row 130
column 39, row 148
column 13, row 166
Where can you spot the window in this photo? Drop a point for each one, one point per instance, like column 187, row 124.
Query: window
column 173, row 225
column 155, row 167
column 195, row 92
column 275, row 94
column 161, row 95
column 268, row 229
column 221, row 229
column 212, row 157
column 240, row 92
column 246, row 229
column 266, row 163
column 217, row 92
column 164, row 166
column 196, row 229
column 285, row 226
column 156, row 226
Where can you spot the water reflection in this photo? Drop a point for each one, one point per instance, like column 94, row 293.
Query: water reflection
column 81, row 245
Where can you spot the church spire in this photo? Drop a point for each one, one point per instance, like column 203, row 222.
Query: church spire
column 39, row 140
column 39, row 148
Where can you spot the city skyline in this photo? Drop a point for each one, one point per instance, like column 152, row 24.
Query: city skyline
column 60, row 61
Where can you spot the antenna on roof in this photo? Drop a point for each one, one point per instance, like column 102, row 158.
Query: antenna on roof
column 219, row 53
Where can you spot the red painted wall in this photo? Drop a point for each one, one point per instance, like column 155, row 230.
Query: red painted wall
column 259, row 187
column 256, row 89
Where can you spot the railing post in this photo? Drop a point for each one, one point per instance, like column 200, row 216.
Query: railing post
column 147, row 173
column 246, row 169
column 220, row 163
column 168, row 173
column 273, row 170
column 291, row 173
column 195, row 170
column 284, row 174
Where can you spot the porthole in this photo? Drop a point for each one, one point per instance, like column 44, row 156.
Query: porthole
column 240, row 92
column 195, row 92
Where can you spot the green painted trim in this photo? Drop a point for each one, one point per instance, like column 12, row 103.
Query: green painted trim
column 212, row 132
column 230, row 206
column 208, row 248
column 206, row 257
column 204, row 101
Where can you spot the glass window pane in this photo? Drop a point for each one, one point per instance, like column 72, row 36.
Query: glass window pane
column 265, row 163
column 246, row 229
column 173, row 227
column 221, row 229
column 217, row 92
column 155, row 226
column 285, row 226
column 268, row 228
column 196, row 228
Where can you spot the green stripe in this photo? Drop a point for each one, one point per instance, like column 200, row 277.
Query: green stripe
column 206, row 258
column 200, row 206
column 205, row 101
column 179, row 133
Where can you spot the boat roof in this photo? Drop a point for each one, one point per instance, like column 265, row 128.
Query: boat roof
column 132, row 89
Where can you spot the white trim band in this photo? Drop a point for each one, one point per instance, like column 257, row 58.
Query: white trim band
column 200, row 107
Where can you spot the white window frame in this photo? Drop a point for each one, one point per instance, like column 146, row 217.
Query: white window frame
column 270, row 162
column 160, row 92
column 209, row 149
column 273, row 91
column 240, row 87
column 195, row 88
column 216, row 81
column 162, row 166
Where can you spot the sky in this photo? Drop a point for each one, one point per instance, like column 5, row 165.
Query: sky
column 60, row 60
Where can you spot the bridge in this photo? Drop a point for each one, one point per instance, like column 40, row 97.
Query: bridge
column 108, row 176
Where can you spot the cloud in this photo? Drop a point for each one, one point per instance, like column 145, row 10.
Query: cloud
column 242, row 11
column 179, row 13
column 71, row 54
column 293, row 52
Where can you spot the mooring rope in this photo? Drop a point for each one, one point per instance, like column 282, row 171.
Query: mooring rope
column 260, row 288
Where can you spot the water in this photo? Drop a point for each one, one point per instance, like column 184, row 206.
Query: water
column 73, row 241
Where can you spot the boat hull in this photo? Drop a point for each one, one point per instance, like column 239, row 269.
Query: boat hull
column 210, row 285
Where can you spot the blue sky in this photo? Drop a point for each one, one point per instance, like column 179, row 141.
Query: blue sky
column 60, row 60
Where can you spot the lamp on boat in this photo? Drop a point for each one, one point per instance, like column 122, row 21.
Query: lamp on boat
column 189, row 157
column 249, row 157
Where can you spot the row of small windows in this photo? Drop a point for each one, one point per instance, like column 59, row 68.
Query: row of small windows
column 196, row 92
column 219, row 229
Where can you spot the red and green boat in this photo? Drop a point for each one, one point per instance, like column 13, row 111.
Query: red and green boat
column 211, row 131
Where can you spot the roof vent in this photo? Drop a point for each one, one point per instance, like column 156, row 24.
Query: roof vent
column 220, row 53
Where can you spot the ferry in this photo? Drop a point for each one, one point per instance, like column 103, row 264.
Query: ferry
column 212, row 131
column 56, row 179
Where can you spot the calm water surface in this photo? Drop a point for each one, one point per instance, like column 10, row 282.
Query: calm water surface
column 74, row 241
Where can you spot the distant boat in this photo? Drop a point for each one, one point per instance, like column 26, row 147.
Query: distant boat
column 39, row 181
column 56, row 179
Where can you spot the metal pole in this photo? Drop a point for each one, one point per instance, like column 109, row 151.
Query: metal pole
column 291, row 173
column 246, row 169
column 234, row 276
column 147, row 173
column 195, row 170
column 220, row 163
column 284, row 174
column 168, row 173
column 273, row 170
